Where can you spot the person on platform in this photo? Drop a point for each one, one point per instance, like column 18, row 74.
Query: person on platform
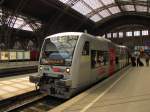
column 138, row 60
column 133, row 61
column 147, row 59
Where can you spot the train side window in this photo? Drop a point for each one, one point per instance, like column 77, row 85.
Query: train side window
column 86, row 48
column 99, row 58
column 102, row 58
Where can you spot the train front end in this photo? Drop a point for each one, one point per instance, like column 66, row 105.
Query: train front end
column 54, row 74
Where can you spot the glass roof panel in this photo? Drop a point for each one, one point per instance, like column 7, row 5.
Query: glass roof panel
column 129, row 34
column 93, row 3
column 64, row 1
column 129, row 8
column 95, row 18
column 144, row 32
column 114, row 35
column 99, row 7
column 109, row 35
column 114, row 10
column 136, row 33
column 18, row 23
column 141, row 8
column 106, row 2
column 81, row 8
column 104, row 13
column 120, row 34
column 27, row 27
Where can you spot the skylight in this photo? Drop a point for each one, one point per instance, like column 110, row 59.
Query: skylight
column 19, row 23
column 97, row 10
column 129, row 7
column 80, row 7
column 114, row 10
column 104, row 13
column 93, row 3
column 95, row 18
column 141, row 8
column 107, row 2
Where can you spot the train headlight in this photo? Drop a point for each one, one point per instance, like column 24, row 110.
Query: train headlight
column 67, row 70
column 40, row 67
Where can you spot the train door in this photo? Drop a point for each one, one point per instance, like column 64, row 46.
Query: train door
column 112, row 64
column 117, row 58
column 99, row 60
column 84, row 69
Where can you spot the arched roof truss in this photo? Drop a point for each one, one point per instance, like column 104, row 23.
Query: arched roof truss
column 97, row 10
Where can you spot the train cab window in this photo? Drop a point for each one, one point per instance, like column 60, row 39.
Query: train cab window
column 86, row 48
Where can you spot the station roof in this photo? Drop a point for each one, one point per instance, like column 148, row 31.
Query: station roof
column 96, row 14
column 97, row 10
column 20, row 23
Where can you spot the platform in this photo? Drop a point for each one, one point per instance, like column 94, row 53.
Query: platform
column 128, row 91
column 9, row 65
column 15, row 85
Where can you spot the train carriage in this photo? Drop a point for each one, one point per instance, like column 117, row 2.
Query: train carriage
column 72, row 61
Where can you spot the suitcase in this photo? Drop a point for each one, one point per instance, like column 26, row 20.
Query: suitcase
column 133, row 64
column 141, row 63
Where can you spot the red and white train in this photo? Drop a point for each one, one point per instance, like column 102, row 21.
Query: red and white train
column 72, row 61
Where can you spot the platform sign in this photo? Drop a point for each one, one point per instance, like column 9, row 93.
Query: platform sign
column 12, row 55
column 20, row 55
column 27, row 55
column 4, row 56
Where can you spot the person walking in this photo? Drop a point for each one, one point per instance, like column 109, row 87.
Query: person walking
column 147, row 59
column 133, row 61
column 138, row 61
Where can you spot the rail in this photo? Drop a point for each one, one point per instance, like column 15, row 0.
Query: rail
column 20, row 100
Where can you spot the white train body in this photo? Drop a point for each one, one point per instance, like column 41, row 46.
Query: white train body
column 72, row 61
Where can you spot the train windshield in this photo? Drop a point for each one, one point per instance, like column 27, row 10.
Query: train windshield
column 58, row 50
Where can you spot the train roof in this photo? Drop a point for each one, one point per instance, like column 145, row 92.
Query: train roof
column 122, row 46
column 109, row 41
column 103, row 39
column 65, row 33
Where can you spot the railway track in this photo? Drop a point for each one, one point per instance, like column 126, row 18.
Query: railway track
column 45, row 104
column 29, row 102
column 18, row 71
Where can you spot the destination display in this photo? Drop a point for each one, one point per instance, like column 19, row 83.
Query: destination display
column 60, row 62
